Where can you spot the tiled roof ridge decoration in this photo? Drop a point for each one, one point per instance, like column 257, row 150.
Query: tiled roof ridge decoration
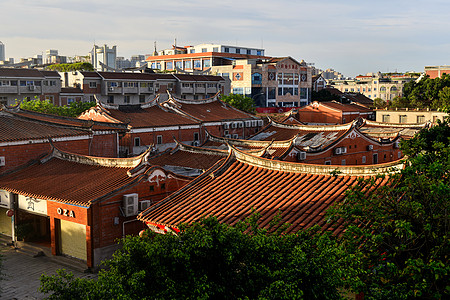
column 400, row 125
column 175, row 107
column 250, row 143
column 346, row 126
column 201, row 150
column 338, row 170
column 129, row 162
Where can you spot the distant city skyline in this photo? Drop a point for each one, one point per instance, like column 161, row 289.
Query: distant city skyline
column 352, row 37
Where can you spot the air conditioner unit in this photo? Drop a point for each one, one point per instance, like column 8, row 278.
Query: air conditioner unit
column 370, row 147
column 196, row 143
column 2, row 161
column 130, row 204
column 260, row 123
column 337, row 151
column 235, row 136
column 111, row 89
column 31, row 87
column 144, row 204
column 226, row 126
column 233, row 125
column 301, row 155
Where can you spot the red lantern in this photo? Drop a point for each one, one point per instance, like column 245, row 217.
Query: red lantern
column 10, row 213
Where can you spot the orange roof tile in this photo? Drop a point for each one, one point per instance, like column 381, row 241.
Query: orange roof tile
column 243, row 183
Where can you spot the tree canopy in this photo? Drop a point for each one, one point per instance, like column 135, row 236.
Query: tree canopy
column 433, row 93
column 400, row 231
column 74, row 109
column 210, row 260
column 81, row 66
column 324, row 95
column 240, row 102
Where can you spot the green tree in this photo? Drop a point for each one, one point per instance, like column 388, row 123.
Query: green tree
column 210, row 260
column 426, row 93
column 379, row 103
column 80, row 66
column 240, row 102
column 74, row 109
column 400, row 231
column 324, row 95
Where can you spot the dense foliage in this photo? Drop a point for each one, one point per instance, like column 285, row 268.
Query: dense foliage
column 401, row 232
column 74, row 109
column 240, row 102
column 209, row 260
column 81, row 66
column 433, row 93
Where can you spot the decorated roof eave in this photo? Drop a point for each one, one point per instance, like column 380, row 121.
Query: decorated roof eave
column 249, row 143
column 400, row 125
column 179, row 101
column 346, row 126
column 287, row 151
column 276, row 165
column 201, row 150
column 130, row 162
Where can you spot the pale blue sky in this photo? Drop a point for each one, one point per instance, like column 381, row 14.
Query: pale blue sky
column 351, row 36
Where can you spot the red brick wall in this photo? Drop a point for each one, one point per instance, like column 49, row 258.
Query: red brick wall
column 88, row 90
column 104, row 145
column 321, row 115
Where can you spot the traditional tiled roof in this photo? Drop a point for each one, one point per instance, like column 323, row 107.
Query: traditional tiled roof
column 137, row 116
column 66, row 121
column 25, row 73
column 346, row 107
column 76, row 179
column 390, row 130
column 206, row 110
column 194, row 78
column 312, row 136
column 231, row 191
column 191, row 157
column 15, row 128
column 88, row 74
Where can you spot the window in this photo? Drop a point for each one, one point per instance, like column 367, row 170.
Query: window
column 238, row 51
column 192, row 51
column 197, row 64
column 204, row 50
column 238, row 91
column 280, row 91
column 137, row 141
column 402, row 118
column 126, row 99
column 152, row 188
column 3, row 100
column 226, row 75
column 399, row 154
column 188, row 64
column 382, row 89
column 280, row 78
column 393, row 89
column 49, row 98
column 196, row 136
column 272, row 93
column 70, row 100
column 386, row 118
column 420, row 119
column 375, row 158
column 153, row 66
column 328, row 162
column 169, row 65
column 23, row 83
column 163, row 186
column 249, row 51
column 110, row 99
column 343, row 162
column 226, row 50
column 179, row 64
column 216, row 49
column 258, row 52
column 143, row 84
column 141, row 98
column 159, row 139
column 52, row 82
column 30, row 82
column 207, row 63
column 303, row 93
column 91, row 98
column 256, row 78
column 92, row 85
column 363, row 160
column 14, row 82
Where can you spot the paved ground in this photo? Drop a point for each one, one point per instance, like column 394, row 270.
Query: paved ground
column 22, row 272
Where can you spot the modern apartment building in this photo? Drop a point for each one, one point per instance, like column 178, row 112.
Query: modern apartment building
column 281, row 81
column 375, row 85
column 103, row 58
column 2, row 51
column 437, row 71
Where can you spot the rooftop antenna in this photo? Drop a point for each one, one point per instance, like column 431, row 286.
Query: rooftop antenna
column 155, row 52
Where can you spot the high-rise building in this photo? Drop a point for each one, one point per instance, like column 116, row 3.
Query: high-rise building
column 2, row 51
column 104, row 58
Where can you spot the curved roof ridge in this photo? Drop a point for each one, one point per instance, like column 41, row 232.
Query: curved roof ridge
column 404, row 125
column 242, row 142
column 151, row 103
column 277, row 165
column 202, row 101
column 313, row 127
column 111, row 162
column 201, row 150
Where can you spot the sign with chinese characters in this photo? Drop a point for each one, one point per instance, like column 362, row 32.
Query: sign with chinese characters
column 33, row 205
column 5, row 199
